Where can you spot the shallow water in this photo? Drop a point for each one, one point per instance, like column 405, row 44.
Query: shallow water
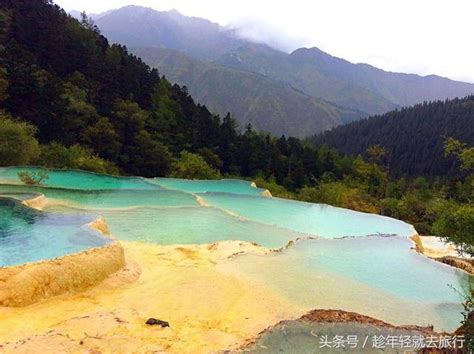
column 316, row 219
column 27, row 235
column 234, row 186
column 200, row 225
column 107, row 199
column 77, row 179
column 384, row 263
column 376, row 276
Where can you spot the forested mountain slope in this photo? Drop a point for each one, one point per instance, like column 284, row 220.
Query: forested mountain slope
column 354, row 85
column 65, row 79
column 305, row 76
column 412, row 137
column 252, row 98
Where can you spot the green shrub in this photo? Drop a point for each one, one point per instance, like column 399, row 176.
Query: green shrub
column 341, row 195
column 56, row 155
column 456, row 224
column 275, row 189
column 18, row 145
column 193, row 166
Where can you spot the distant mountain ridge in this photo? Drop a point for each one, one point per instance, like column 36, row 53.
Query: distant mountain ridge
column 305, row 76
column 136, row 26
column 401, row 89
column 349, row 91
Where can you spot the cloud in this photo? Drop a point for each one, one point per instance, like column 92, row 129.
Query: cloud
column 422, row 36
column 258, row 31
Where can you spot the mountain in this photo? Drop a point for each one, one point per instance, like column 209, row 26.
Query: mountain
column 252, row 98
column 412, row 137
column 309, row 72
column 359, row 86
column 136, row 26
column 305, row 76
column 401, row 89
column 78, row 14
column 184, row 48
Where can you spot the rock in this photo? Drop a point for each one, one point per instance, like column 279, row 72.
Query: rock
column 266, row 193
column 155, row 322
column 461, row 263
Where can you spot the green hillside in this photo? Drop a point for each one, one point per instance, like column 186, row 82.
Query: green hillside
column 252, row 98
column 306, row 77
column 413, row 137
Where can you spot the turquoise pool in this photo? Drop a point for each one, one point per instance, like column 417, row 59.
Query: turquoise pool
column 379, row 276
column 200, row 225
column 385, row 263
column 233, row 186
column 108, row 199
column 27, row 235
column 77, row 179
column 315, row 219
column 376, row 276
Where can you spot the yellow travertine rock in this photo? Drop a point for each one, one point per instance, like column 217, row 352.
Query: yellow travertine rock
column 36, row 203
column 101, row 226
column 208, row 309
column 28, row 283
column 435, row 247
column 266, row 193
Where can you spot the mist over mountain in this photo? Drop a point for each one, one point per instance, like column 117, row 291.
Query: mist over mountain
column 136, row 26
column 272, row 89
column 78, row 14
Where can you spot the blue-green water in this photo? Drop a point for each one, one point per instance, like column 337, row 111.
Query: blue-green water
column 77, row 179
column 378, row 276
column 316, row 219
column 199, row 225
column 108, row 199
column 234, row 186
column 27, row 235
column 377, row 261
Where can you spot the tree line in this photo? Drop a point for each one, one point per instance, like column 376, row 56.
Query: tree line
column 412, row 137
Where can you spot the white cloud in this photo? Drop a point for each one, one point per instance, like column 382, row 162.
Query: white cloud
column 419, row 36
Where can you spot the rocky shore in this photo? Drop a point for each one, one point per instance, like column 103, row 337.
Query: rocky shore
column 435, row 248
column 315, row 331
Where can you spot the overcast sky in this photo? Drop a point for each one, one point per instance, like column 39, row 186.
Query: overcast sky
column 417, row 36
